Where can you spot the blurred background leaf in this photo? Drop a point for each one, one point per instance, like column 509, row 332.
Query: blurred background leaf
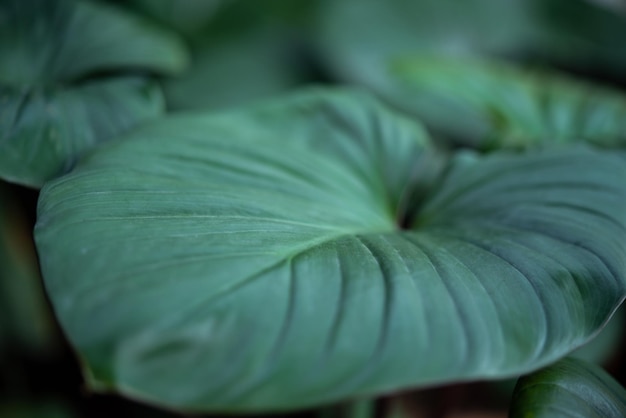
column 43, row 132
column 61, row 90
column 248, row 50
column 362, row 40
column 498, row 105
column 185, row 16
column 44, row 42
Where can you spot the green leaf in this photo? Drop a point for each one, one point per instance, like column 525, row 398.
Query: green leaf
column 574, row 34
column 569, row 388
column 314, row 249
column 52, row 106
column 43, row 132
column 46, row 42
column 497, row 105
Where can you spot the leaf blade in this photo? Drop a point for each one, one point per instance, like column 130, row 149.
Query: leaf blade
column 267, row 240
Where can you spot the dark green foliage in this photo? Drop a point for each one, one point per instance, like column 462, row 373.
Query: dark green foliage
column 316, row 249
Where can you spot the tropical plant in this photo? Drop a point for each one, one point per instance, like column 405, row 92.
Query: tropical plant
column 216, row 235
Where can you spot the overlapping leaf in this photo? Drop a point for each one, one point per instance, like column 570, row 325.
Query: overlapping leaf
column 314, row 249
column 51, row 108
column 43, row 133
column 496, row 105
column 45, row 42
column 573, row 34
column 569, row 388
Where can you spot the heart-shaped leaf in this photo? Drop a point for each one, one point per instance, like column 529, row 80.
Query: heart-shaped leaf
column 569, row 388
column 314, row 249
column 497, row 105
column 51, row 111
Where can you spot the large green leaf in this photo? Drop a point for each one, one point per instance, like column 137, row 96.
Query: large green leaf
column 569, row 388
column 316, row 248
column 42, row 132
column 497, row 105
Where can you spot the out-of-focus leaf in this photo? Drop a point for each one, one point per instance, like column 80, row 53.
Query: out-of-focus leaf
column 309, row 250
column 51, row 111
column 360, row 39
column 46, row 43
column 570, row 388
column 43, row 132
column 250, row 50
column 24, row 316
column 616, row 5
column 186, row 16
column 497, row 105
column 580, row 35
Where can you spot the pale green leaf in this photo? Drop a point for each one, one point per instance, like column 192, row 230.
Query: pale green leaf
column 497, row 105
column 315, row 248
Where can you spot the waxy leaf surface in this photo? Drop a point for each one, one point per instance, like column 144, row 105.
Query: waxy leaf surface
column 569, row 388
column 316, row 248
